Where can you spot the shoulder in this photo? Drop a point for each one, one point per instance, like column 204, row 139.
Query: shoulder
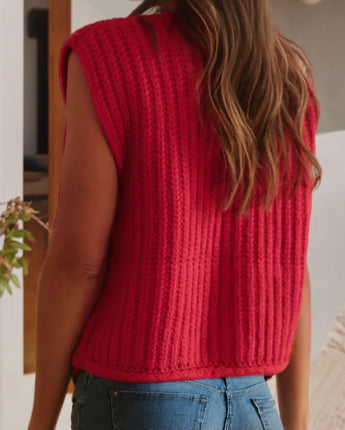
column 100, row 47
column 97, row 31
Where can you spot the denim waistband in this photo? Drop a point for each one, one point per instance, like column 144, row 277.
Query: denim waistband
column 231, row 383
column 237, row 384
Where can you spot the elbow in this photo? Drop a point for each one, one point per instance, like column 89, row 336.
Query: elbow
column 78, row 271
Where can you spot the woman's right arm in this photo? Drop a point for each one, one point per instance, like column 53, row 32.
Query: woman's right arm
column 293, row 382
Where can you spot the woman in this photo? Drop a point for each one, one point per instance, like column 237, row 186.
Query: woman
column 176, row 280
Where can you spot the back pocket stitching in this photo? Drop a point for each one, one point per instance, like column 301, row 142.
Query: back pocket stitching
column 260, row 411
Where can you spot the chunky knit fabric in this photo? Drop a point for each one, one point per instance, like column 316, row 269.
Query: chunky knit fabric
column 191, row 291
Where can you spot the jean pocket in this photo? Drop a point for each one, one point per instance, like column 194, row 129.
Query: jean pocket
column 75, row 416
column 140, row 410
column 266, row 408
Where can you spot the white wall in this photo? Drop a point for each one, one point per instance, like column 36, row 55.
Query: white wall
column 11, row 179
column 14, row 388
column 84, row 12
column 326, row 236
column 320, row 30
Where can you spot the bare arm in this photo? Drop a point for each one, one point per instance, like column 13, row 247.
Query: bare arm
column 76, row 262
column 293, row 382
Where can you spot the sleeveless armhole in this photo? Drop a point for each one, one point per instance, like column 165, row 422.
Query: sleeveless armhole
column 99, row 66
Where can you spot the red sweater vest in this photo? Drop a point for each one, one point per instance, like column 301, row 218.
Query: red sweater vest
column 191, row 291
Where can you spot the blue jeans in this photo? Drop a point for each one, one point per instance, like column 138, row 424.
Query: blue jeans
column 231, row 403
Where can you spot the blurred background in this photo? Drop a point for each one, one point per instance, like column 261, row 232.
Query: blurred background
column 31, row 130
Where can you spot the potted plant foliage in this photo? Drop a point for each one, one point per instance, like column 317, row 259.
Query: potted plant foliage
column 16, row 211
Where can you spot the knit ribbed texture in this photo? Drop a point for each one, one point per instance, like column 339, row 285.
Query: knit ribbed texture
column 191, row 292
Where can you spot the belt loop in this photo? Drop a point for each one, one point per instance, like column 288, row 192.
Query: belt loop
column 227, row 383
column 86, row 378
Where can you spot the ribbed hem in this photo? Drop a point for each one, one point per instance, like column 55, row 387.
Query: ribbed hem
column 211, row 371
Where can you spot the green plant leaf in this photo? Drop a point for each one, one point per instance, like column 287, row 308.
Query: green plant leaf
column 23, row 216
column 24, row 263
column 21, row 233
column 15, row 264
column 8, row 247
column 15, row 280
column 11, row 218
column 4, row 283
column 11, row 255
column 28, row 235
column 15, row 233
column 20, row 245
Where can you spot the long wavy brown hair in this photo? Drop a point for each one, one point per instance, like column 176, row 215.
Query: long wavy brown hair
column 256, row 82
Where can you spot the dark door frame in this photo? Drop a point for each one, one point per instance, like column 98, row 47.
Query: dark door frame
column 59, row 30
